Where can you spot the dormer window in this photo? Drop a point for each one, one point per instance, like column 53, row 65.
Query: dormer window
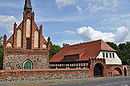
column 76, row 47
column 68, row 57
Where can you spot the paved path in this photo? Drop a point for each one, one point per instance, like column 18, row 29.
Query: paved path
column 106, row 82
column 103, row 81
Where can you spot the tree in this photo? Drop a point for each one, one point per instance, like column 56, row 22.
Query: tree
column 122, row 50
column 1, row 52
column 65, row 44
column 54, row 49
column 113, row 45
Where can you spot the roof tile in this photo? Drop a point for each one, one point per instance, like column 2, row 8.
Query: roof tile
column 84, row 50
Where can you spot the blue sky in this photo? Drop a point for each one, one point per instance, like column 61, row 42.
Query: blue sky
column 72, row 21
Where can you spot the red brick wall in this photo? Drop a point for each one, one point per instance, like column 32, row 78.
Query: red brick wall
column 108, row 70
column 128, row 71
column 111, row 70
column 42, row 74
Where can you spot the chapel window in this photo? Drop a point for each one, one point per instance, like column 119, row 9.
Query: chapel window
column 36, row 39
column 28, row 43
column 19, row 38
column 28, row 65
column 9, row 44
column 28, row 28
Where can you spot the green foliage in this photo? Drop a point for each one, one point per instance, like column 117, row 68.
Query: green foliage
column 123, row 51
column 114, row 46
column 64, row 44
column 54, row 49
column 1, row 52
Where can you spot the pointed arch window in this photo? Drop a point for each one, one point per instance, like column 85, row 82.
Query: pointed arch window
column 19, row 38
column 28, row 65
column 36, row 39
column 9, row 44
column 28, row 28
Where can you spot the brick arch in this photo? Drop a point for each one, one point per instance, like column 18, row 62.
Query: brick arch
column 26, row 61
column 98, row 70
column 117, row 71
column 93, row 63
column 125, row 71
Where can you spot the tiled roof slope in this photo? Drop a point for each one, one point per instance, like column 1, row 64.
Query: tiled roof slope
column 84, row 50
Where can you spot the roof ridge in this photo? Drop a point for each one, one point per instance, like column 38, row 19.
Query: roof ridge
column 84, row 43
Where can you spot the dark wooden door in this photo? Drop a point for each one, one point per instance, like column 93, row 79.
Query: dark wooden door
column 98, row 70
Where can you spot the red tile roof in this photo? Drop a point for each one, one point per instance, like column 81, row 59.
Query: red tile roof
column 84, row 50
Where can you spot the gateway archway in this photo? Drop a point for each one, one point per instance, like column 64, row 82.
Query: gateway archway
column 117, row 72
column 125, row 72
column 98, row 70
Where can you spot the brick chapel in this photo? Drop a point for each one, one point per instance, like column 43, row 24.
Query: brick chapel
column 26, row 48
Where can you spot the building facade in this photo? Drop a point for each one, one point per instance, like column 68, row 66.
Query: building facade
column 98, row 56
column 26, row 48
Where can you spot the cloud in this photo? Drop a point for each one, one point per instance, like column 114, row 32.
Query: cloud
column 66, row 33
column 102, row 5
column 63, row 19
column 63, row 3
column 89, row 33
column 9, row 4
column 6, row 22
column 71, row 42
column 79, row 9
column 69, row 32
column 121, row 34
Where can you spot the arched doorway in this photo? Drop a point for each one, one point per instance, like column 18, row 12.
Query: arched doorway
column 125, row 72
column 98, row 70
column 117, row 72
column 27, row 64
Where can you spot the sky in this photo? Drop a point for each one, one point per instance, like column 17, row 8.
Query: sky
column 72, row 21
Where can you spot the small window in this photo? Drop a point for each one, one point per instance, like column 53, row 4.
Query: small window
column 28, row 65
column 28, row 43
column 106, row 55
column 110, row 55
column 103, row 54
column 71, row 57
column 113, row 55
column 9, row 44
column 44, row 46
